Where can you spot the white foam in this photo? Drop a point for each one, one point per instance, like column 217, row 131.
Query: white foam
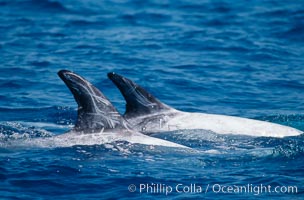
column 73, row 139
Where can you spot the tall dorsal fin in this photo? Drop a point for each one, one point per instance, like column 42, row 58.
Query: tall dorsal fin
column 139, row 101
column 95, row 111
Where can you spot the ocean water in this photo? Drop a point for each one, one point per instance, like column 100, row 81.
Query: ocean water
column 241, row 58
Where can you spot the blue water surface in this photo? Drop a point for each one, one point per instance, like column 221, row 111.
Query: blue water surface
column 241, row 58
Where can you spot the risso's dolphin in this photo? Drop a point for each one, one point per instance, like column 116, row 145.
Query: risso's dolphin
column 97, row 115
column 147, row 114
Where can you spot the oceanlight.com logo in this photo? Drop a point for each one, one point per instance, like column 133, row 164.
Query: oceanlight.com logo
column 194, row 188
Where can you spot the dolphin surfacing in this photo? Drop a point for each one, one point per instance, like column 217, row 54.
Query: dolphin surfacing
column 149, row 115
column 97, row 115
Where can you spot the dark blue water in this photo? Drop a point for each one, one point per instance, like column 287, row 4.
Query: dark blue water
column 242, row 58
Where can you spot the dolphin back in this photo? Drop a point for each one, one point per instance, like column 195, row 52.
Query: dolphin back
column 138, row 100
column 95, row 111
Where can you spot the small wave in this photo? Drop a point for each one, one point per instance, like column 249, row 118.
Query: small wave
column 15, row 130
column 294, row 33
column 145, row 18
column 7, row 72
column 11, row 85
column 290, row 147
column 61, row 116
column 289, row 151
column 40, row 63
column 94, row 24
column 238, row 145
column 45, row 5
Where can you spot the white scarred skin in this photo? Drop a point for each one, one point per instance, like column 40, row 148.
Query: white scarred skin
column 173, row 120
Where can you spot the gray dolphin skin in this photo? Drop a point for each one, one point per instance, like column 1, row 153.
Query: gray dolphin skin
column 139, row 102
column 149, row 115
column 144, row 112
column 96, row 114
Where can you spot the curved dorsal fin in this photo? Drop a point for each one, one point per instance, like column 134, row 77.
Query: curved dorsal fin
column 139, row 101
column 95, row 111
